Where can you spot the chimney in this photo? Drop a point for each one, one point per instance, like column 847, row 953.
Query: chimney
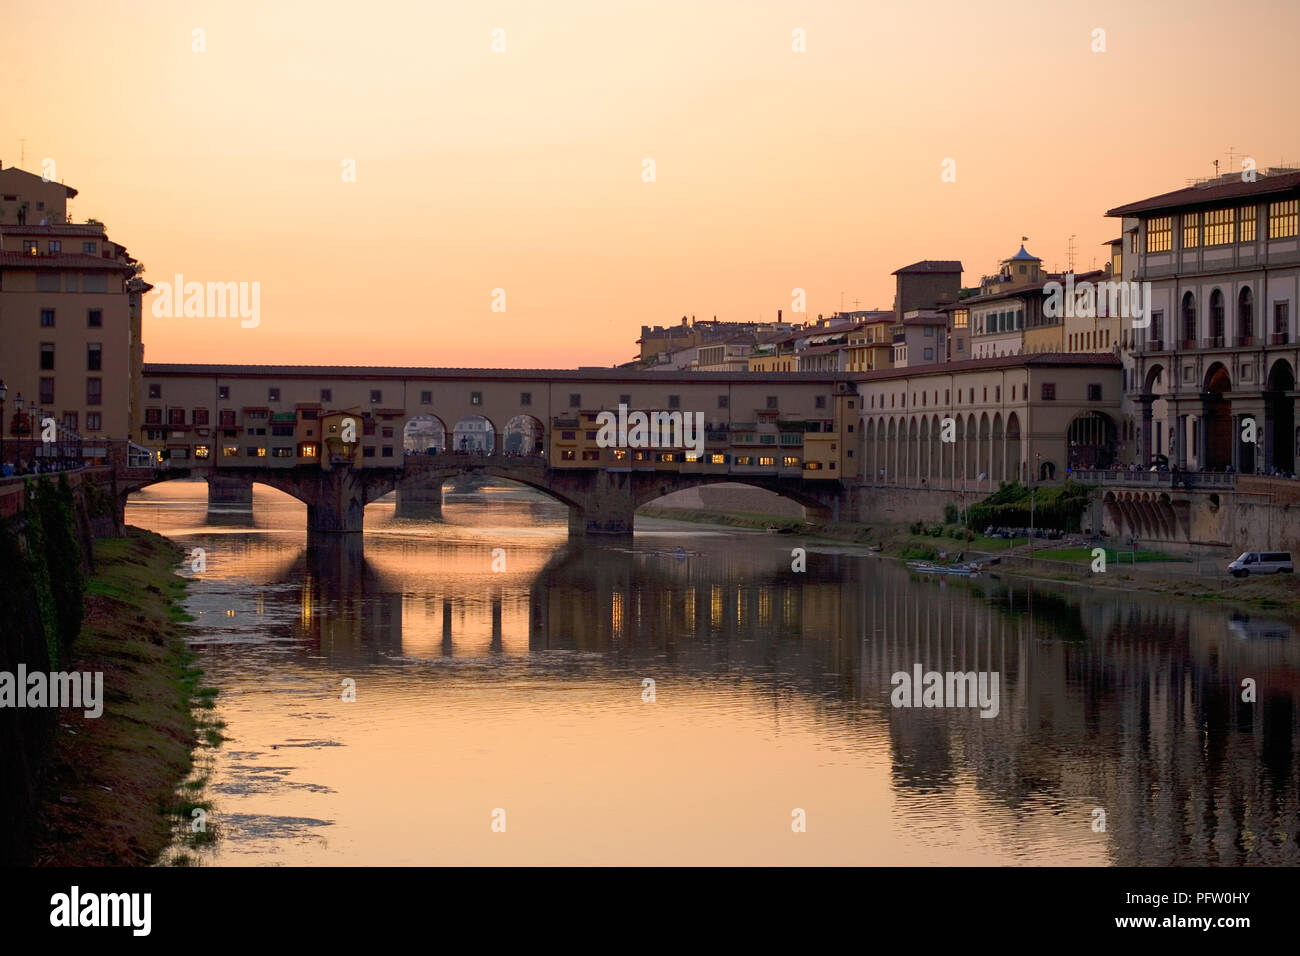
column 778, row 316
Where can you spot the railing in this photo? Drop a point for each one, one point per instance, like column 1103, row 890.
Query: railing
column 1279, row 338
column 1244, row 341
column 1164, row 479
column 1213, row 342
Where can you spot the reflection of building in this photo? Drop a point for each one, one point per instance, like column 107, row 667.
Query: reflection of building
column 69, row 313
column 1217, row 362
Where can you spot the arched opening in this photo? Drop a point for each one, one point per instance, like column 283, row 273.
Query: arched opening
column 1189, row 321
column 999, row 449
column 925, row 451
column 1245, row 317
column 1154, row 377
column 523, row 436
column 1279, row 418
column 910, row 470
column 971, row 453
column 1217, row 425
column 473, row 434
column 982, row 464
column 891, row 450
column 1047, row 471
column 424, row 435
column 1092, row 440
column 1014, row 467
column 1216, row 319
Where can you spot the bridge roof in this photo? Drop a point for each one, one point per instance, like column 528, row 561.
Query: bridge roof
column 484, row 374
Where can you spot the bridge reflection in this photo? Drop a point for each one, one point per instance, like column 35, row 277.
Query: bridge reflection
column 1128, row 705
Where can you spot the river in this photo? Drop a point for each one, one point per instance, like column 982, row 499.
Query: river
column 688, row 697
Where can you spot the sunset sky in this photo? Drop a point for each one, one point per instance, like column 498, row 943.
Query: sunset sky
column 522, row 170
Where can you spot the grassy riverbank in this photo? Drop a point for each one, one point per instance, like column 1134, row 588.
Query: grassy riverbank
column 110, row 798
column 1170, row 575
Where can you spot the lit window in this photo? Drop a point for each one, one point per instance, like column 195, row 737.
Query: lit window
column 790, row 461
column 307, row 451
column 201, row 451
column 717, row 459
column 1159, row 234
column 1220, row 227
column 1247, row 217
column 1283, row 218
column 620, row 454
column 766, row 460
column 230, row 451
column 1191, row 230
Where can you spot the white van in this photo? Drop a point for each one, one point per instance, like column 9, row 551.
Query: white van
column 1261, row 562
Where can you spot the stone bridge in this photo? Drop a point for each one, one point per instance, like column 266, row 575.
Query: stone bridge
column 600, row 501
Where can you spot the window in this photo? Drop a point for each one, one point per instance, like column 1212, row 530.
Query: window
column 47, row 356
column 674, row 401
column 476, row 398
column 959, row 318
column 1247, row 217
column 94, row 390
column 230, row 451
column 625, row 400
column 153, row 416
column 56, row 245
column 282, row 431
column 1283, row 218
column 1094, row 393
column 575, row 400
column 1220, row 227
column 94, row 421
column 1159, row 234
column 1049, row 391
column 772, row 402
column 1157, row 326
column 1189, row 320
column 272, row 394
column 766, row 461
column 722, row 401
column 307, row 450
column 928, row 354
column 1281, row 321
column 568, row 454
column 1191, row 230
column 47, row 318
column 175, row 416
column 620, row 454
column 789, row 461
column 29, row 247
column 819, row 401
column 525, row 398
column 744, row 460
column 426, row 398
column 716, row 459
column 327, row 394
column 92, row 283
column 88, row 248
column 201, row 451
column 70, row 421
column 227, row 418
column 376, row 396
column 199, row 416
column 94, row 356
column 1216, row 317
column 155, row 391
column 95, row 318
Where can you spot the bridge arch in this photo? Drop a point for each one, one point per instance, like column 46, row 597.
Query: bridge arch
column 523, row 435
column 422, row 432
column 474, row 433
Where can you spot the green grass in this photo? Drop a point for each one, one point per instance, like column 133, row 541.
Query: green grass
column 1113, row 556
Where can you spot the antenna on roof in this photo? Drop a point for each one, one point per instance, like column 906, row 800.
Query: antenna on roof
column 22, row 158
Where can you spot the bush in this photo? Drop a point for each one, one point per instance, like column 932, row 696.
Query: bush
column 950, row 514
column 63, row 556
column 1053, row 508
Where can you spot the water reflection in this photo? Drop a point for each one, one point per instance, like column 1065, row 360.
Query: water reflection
column 772, row 692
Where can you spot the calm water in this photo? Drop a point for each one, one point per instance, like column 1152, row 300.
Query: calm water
column 521, row 690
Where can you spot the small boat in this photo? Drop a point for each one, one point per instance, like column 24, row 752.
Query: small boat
column 929, row 567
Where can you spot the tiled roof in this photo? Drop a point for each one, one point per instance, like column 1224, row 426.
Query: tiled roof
column 61, row 260
column 930, row 266
column 1232, row 188
column 1036, row 360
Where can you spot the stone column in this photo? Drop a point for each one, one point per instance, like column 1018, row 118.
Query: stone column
column 1148, row 427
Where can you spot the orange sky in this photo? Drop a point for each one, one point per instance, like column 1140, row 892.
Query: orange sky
column 522, row 170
